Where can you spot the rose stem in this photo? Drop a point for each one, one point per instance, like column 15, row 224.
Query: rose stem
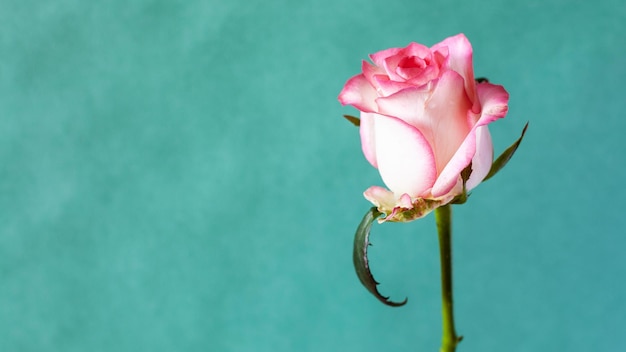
column 443, row 218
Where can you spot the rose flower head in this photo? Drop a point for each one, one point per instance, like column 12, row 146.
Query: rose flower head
column 423, row 121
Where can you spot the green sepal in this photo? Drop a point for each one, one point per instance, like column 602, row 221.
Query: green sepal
column 355, row 120
column 505, row 156
column 361, row 264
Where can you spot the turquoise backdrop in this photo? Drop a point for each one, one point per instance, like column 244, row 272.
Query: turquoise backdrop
column 177, row 176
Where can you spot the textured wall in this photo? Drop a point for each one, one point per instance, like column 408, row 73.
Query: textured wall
column 176, row 176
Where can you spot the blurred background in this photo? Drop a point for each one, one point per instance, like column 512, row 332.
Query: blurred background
column 177, row 176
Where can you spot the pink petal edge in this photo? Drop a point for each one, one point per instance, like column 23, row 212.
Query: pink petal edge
column 408, row 105
column 446, row 113
column 380, row 197
column 460, row 60
column 359, row 93
column 379, row 58
column 494, row 101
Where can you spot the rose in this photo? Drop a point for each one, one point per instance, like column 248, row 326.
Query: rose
column 423, row 121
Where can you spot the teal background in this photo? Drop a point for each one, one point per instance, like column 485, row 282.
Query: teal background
column 176, row 176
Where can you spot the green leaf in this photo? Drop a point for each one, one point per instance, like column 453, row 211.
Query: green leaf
column 361, row 264
column 355, row 120
column 505, row 156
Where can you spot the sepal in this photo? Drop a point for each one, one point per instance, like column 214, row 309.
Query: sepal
column 355, row 120
column 403, row 209
column 361, row 263
column 504, row 158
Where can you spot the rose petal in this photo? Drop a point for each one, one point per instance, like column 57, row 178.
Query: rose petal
column 388, row 87
column 405, row 159
column 429, row 73
column 494, row 100
column 442, row 117
column 390, row 65
column 379, row 57
column 380, row 197
column 408, row 105
column 405, row 201
column 447, row 111
column 359, row 93
column 368, row 140
column 460, row 60
column 483, row 158
column 369, row 71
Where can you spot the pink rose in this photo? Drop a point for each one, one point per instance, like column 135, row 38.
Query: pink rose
column 423, row 121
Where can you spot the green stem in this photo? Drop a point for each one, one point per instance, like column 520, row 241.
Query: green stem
column 443, row 218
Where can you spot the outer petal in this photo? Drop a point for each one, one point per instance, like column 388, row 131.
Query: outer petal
column 441, row 114
column 381, row 197
column 447, row 111
column 483, row 158
column 368, row 140
column 359, row 93
column 494, row 100
column 460, row 60
column 450, row 174
column 405, row 159
column 408, row 105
